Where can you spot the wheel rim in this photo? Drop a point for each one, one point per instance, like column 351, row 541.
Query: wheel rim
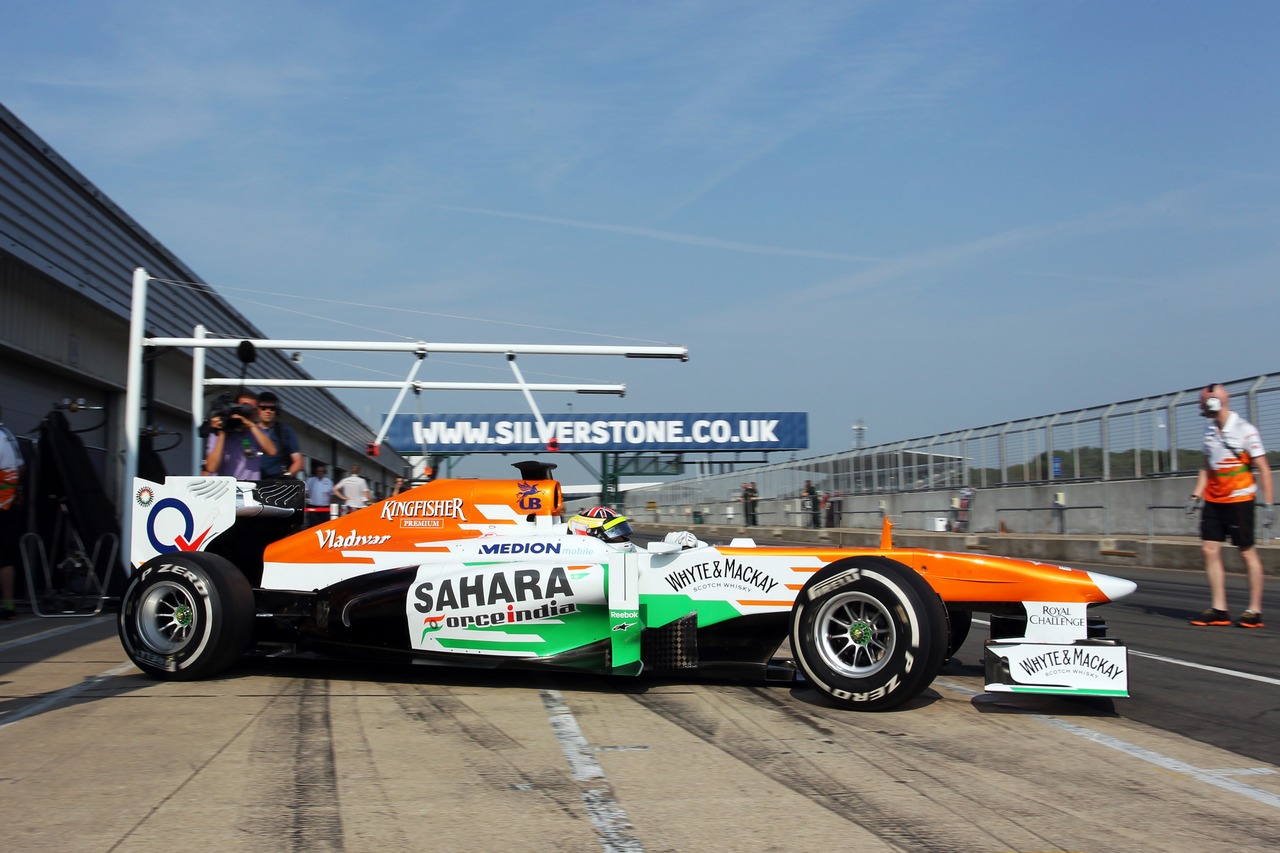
column 855, row 634
column 167, row 617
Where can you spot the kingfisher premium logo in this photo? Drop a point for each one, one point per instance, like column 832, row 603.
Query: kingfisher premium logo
column 410, row 512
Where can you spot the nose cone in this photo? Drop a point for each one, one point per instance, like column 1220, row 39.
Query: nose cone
column 1112, row 587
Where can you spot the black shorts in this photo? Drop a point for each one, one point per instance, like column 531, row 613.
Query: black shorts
column 1217, row 521
column 13, row 524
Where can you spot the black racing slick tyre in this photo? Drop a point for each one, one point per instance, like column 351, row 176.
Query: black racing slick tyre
column 869, row 633
column 958, row 624
column 186, row 615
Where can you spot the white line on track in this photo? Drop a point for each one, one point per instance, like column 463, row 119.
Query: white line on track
column 64, row 694
column 54, row 632
column 1218, row 778
column 1176, row 662
column 608, row 817
column 1264, row 679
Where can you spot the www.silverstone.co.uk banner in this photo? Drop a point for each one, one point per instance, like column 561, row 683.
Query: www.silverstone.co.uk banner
column 585, row 433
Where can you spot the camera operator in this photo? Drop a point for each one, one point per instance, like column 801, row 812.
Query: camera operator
column 287, row 460
column 237, row 443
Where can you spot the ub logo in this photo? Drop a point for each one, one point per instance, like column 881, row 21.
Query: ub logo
column 529, row 499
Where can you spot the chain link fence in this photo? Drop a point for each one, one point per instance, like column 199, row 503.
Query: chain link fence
column 1119, row 468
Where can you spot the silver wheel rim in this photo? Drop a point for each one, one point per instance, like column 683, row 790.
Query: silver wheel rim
column 855, row 634
column 167, row 617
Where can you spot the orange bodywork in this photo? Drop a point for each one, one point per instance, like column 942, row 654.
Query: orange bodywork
column 956, row 577
column 443, row 510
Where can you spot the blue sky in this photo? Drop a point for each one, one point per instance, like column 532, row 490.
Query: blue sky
column 923, row 216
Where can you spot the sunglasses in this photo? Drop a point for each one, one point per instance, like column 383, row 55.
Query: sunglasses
column 268, row 407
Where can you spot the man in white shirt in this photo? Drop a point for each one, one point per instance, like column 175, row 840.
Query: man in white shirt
column 319, row 495
column 353, row 491
column 1235, row 464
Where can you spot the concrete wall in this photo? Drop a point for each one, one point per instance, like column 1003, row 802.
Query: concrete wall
column 1150, row 507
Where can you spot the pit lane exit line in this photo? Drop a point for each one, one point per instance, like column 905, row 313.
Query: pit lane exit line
column 1217, row 778
column 1264, row 679
column 1176, row 662
column 54, row 632
column 53, row 699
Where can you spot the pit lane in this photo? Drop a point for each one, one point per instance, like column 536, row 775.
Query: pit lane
column 310, row 755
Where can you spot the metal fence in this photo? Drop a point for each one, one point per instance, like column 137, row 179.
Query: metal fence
column 1149, row 439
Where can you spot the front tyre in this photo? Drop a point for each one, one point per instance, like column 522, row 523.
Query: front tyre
column 869, row 633
column 186, row 615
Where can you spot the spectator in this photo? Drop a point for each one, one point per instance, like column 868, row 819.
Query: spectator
column 964, row 505
column 11, row 520
column 750, row 498
column 287, row 460
column 1228, row 486
column 810, row 493
column 399, row 487
column 353, row 491
column 319, row 495
column 237, row 443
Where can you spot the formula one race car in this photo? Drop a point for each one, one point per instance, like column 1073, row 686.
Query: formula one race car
column 487, row 573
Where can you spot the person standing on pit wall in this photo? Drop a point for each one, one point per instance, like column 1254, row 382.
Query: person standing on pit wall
column 1228, row 486
column 11, row 518
column 287, row 460
column 319, row 490
column 810, row 493
column 353, row 491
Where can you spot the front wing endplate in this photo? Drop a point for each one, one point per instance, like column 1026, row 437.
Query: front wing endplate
column 1082, row 668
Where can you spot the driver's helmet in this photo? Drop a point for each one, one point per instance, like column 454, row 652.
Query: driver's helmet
column 602, row 523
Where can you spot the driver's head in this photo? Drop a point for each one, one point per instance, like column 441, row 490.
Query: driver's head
column 603, row 523
column 1213, row 399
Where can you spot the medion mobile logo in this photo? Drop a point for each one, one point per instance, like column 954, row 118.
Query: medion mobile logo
column 521, row 548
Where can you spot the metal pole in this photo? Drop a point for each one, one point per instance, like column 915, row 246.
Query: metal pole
column 619, row 389
column 681, row 353
column 197, row 402
column 132, row 412
column 395, row 407
column 524, row 387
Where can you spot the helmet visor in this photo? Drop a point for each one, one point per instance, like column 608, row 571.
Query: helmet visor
column 615, row 530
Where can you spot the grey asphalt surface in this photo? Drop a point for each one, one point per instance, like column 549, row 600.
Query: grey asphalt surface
column 313, row 755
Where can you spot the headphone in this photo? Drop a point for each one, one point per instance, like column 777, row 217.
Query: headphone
column 1213, row 405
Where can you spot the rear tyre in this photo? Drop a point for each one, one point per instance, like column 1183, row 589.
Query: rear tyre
column 186, row 615
column 869, row 633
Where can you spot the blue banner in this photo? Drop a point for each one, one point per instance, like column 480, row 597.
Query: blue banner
column 581, row 433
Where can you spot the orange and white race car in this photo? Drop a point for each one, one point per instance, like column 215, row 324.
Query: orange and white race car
column 488, row 573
